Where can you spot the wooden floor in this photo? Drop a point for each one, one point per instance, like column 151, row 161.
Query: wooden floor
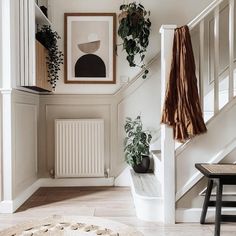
column 107, row 202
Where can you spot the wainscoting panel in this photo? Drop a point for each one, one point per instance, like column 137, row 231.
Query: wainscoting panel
column 70, row 107
column 25, row 123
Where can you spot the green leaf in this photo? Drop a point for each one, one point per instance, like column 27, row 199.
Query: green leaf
column 49, row 39
column 122, row 7
column 134, row 30
column 140, row 5
column 149, row 138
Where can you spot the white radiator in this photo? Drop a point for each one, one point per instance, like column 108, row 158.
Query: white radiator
column 79, row 148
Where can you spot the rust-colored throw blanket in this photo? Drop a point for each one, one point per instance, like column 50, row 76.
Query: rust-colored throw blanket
column 182, row 108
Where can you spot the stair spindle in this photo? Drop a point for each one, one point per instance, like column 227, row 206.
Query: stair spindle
column 202, row 63
column 216, row 58
column 231, row 49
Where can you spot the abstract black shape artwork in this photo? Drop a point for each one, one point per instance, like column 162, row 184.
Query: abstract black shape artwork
column 90, row 65
column 90, row 48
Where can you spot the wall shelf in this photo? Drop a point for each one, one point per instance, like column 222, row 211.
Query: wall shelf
column 34, row 71
column 40, row 18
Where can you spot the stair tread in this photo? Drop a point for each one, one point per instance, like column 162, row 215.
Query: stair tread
column 146, row 185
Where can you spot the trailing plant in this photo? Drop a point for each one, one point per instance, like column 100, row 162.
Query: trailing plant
column 49, row 39
column 136, row 142
column 134, row 30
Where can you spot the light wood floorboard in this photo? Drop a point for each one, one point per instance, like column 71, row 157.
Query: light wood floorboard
column 108, row 202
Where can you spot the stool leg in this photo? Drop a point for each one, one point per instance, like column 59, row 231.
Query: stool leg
column 206, row 201
column 218, row 206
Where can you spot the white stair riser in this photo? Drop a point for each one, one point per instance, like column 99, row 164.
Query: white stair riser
column 148, row 209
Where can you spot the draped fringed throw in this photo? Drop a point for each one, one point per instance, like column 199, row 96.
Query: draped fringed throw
column 182, row 108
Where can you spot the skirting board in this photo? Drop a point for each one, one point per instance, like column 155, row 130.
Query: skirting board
column 11, row 206
column 6, row 207
column 81, row 182
column 19, row 200
column 192, row 215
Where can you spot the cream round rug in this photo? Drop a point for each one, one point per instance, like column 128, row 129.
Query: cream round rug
column 71, row 226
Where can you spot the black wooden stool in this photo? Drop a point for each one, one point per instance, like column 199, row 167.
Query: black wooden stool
column 220, row 174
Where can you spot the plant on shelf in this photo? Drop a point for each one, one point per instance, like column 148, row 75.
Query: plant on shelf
column 136, row 145
column 49, row 39
column 134, row 30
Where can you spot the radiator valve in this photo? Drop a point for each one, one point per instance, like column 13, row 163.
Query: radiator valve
column 52, row 173
column 108, row 173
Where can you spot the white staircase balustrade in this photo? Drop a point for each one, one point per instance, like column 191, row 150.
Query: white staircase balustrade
column 177, row 167
column 155, row 194
column 211, row 147
column 219, row 102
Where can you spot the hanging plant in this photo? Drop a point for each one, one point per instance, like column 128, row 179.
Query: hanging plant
column 134, row 29
column 49, row 39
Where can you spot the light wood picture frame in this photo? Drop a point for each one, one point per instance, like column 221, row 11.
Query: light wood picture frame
column 90, row 48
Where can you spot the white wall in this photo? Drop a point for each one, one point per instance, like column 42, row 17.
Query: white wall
column 162, row 12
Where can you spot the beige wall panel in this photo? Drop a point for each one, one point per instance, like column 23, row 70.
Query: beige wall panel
column 68, row 110
column 25, row 130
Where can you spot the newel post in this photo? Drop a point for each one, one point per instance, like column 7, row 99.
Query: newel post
column 167, row 141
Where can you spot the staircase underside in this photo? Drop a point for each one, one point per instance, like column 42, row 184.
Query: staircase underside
column 211, row 147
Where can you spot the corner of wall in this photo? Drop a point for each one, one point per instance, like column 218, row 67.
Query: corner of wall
column 123, row 180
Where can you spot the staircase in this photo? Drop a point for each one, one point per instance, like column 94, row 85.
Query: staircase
column 174, row 172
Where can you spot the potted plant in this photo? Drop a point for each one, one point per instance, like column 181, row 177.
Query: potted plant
column 136, row 145
column 134, row 30
column 49, row 39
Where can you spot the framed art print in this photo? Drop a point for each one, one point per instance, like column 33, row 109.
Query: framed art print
column 90, row 41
